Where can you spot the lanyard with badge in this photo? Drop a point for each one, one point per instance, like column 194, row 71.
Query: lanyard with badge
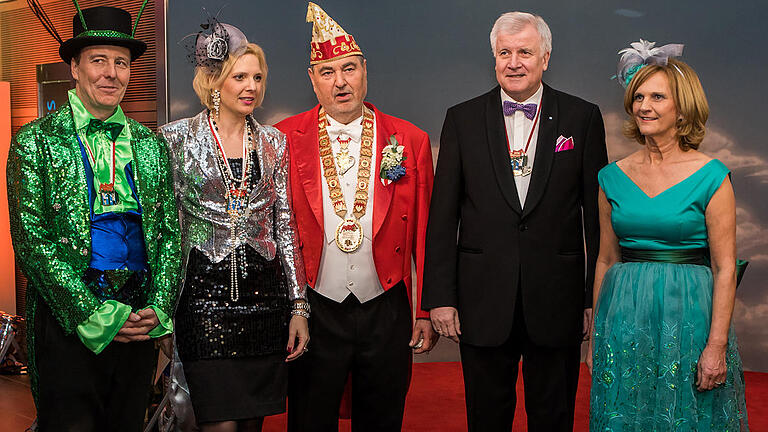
column 519, row 158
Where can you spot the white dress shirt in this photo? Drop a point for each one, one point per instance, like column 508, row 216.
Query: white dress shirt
column 518, row 129
column 342, row 273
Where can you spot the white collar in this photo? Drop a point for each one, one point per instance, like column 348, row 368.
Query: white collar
column 535, row 98
column 336, row 124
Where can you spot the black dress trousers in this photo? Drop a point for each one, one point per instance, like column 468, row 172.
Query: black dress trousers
column 367, row 342
column 550, row 379
column 80, row 391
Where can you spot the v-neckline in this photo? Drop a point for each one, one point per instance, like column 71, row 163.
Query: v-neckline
column 665, row 190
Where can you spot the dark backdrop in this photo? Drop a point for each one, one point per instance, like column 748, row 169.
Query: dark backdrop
column 426, row 55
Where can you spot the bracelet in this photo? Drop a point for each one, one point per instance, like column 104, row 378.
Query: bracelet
column 302, row 305
column 301, row 313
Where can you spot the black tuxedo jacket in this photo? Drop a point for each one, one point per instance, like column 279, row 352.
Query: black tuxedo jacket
column 502, row 248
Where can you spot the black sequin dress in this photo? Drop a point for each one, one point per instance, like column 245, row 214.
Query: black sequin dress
column 234, row 352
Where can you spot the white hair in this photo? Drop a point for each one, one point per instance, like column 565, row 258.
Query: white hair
column 514, row 22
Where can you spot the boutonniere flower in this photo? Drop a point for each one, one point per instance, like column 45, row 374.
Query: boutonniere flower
column 392, row 162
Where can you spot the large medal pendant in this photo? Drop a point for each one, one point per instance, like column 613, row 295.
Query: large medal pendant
column 107, row 195
column 345, row 162
column 519, row 161
column 349, row 235
column 237, row 201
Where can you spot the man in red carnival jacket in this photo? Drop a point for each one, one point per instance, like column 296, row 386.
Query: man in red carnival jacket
column 361, row 183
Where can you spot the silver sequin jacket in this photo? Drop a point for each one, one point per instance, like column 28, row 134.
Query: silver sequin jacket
column 200, row 192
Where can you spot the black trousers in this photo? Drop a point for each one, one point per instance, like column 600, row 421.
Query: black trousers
column 550, row 379
column 80, row 391
column 368, row 342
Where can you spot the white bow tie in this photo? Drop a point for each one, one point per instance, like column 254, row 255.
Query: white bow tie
column 353, row 130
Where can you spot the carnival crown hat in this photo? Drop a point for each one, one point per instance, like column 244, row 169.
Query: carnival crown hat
column 329, row 40
column 101, row 25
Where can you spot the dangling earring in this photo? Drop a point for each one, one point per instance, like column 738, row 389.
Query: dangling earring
column 216, row 97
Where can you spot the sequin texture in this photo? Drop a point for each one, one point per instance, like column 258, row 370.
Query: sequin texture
column 269, row 226
column 48, row 202
column 646, row 354
column 209, row 325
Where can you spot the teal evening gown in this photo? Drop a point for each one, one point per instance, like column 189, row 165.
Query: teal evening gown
column 652, row 316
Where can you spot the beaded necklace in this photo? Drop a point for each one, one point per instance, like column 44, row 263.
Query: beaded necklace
column 237, row 197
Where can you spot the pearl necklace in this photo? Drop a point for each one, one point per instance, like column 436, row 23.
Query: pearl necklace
column 237, row 198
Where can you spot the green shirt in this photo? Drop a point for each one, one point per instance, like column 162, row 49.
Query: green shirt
column 101, row 146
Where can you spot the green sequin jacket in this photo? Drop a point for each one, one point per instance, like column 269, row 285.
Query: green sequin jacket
column 50, row 218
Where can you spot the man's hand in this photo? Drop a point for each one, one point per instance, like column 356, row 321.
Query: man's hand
column 587, row 324
column 137, row 326
column 445, row 321
column 424, row 337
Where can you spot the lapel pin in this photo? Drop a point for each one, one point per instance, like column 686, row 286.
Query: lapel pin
column 550, row 117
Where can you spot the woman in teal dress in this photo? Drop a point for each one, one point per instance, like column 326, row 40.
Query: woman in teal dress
column 663, row 352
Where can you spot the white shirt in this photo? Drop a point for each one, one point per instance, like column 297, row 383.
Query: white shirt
column 340, row 272
column 518, row 129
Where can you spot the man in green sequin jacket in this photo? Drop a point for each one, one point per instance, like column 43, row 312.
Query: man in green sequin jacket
column 95, row 230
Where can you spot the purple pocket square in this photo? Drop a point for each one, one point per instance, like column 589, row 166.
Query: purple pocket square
column 564, row 144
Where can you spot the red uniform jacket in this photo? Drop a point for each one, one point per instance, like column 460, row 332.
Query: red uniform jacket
column 400, row 209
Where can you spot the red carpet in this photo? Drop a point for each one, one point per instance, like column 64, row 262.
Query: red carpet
column 436, row 402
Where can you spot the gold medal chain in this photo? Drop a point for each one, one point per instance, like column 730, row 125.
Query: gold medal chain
column 363, row 170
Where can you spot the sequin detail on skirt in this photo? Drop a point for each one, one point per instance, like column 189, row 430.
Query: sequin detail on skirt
column 210, row 326
column 651, row 325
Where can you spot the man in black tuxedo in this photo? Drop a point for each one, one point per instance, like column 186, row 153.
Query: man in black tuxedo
column 517, row 179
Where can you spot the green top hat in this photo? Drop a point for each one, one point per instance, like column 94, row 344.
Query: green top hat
column 102, row 25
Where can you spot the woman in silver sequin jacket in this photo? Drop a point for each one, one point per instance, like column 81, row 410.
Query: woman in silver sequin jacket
column 243, row 300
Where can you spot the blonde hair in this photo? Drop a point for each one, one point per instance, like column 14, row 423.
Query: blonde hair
column 205, row 81
column 690, row 102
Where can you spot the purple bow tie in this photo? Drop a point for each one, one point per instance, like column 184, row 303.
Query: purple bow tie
column 528, row 109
